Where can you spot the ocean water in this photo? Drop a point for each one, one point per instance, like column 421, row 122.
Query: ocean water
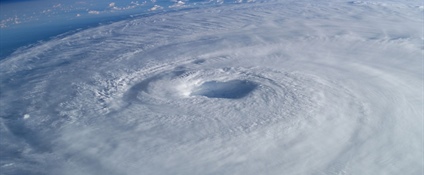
column 28, row 22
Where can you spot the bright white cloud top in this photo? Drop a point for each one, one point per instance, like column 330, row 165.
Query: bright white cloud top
column 291, row 87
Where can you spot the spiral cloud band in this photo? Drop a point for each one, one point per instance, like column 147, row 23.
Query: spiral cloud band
column 302, row 87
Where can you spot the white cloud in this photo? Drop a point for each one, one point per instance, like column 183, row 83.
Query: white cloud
column 177, row 4
column 156, row 7
column 155, row 94
column 94, row 12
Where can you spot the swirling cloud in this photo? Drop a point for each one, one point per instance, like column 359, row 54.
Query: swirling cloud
column 261, row 88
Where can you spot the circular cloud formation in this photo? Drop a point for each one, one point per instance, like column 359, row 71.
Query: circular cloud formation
column 261, row 88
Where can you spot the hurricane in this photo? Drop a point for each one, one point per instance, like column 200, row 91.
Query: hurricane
column 265, row 87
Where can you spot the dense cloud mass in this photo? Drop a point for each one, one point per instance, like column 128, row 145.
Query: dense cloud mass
column 302, row 87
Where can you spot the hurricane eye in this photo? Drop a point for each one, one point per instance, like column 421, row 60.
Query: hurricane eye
column 233, row 89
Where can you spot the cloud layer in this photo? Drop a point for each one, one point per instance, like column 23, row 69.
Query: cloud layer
column 262, row 88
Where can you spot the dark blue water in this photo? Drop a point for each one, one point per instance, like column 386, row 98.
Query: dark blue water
column 46, row 27
column 14, row 38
